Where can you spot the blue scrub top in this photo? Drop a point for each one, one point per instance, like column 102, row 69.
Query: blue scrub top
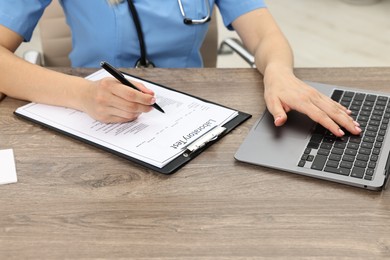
column 101, row 31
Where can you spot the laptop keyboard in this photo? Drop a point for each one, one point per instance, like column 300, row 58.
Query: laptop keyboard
column 351, row 155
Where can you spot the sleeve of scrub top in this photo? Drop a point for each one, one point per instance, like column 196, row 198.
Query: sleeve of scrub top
column 232, row 9
column 22, row 16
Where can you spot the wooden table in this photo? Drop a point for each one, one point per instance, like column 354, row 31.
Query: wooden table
column 75, row 201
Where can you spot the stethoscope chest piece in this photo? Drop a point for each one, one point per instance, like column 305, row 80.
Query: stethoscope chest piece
column 115, row 2
column 189, row 21
column 146, row 64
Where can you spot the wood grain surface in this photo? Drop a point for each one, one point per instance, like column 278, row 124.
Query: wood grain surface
column 74, row 201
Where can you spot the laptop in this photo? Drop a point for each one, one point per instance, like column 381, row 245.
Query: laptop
column 304, row 147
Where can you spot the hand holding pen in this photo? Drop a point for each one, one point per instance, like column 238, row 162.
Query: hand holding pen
column 119, row 76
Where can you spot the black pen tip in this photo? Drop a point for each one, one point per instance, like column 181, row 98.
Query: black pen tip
column 158, row 108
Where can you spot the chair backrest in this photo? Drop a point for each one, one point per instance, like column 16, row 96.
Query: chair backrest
column 57, row 42
column 56, row 38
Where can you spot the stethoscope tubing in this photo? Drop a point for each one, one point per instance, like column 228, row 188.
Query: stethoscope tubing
column 143, row 62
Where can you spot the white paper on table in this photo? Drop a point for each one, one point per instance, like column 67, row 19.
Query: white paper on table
column 7, row 167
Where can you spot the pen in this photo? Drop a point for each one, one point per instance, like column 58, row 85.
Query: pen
column 119, row 76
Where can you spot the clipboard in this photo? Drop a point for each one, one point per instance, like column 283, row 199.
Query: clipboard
column 189, row 153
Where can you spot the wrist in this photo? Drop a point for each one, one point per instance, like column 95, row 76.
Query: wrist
column 277, row 68
column 278, row 75
column 78, row 92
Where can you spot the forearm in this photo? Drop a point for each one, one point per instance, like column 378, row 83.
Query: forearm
column 265, row 41
column 273, row 54
column 22, row 80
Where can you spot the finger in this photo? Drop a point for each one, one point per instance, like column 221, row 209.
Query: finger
column 346, row 122
column 114, row 115
column 134, row 96
column 339, row 114
column 143, row 89
column 128, row 93
column 277, row 111
column 323, row 119
column 129, row 107
column 329, row 122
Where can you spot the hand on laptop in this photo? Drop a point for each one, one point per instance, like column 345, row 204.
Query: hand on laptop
column 284, row 93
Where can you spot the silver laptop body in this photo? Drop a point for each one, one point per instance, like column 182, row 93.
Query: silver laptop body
column 284, row 147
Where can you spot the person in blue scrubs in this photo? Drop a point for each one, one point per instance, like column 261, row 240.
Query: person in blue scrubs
column 105, row 30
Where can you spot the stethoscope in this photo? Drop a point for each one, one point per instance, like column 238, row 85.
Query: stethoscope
column 143, row 61
column 189, row 21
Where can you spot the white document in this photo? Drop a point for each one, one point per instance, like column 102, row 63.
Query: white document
column 7, row 167
column 155, row 138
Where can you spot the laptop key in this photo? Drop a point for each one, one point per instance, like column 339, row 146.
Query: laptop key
column 368, row 177
column 337, row 95
column 359, row 96
column 348, row 158
column 357, row 172
column 372, row 164
column 342, row 171
column 333, row 164
column 336, row 157
column 319, row 162
column 370, row 172
column 346, row 164
column 301, row 163
column 313, row 145
column 361, row 164
column 371, row 97
column 323, row 151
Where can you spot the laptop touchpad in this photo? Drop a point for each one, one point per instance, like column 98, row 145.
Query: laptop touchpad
column 298, row 125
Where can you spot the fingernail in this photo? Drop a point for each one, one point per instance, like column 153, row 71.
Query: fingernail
column 277, row 119
column 358, row 128
column 341, row 132
column 356, row 123
column 348, row 111
column 153, row 100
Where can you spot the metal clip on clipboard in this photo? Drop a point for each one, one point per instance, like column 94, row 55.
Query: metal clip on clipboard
column 202, row 141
